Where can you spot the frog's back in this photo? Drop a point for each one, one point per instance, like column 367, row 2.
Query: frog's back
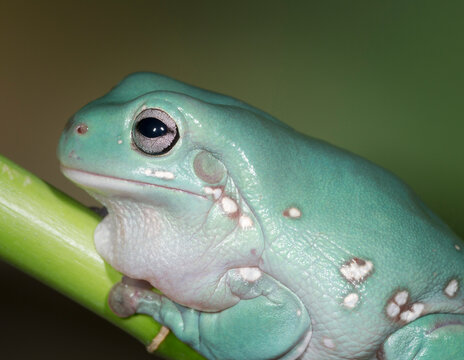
column 374, row 257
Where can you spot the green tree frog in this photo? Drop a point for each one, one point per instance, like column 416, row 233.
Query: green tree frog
column 265, row 243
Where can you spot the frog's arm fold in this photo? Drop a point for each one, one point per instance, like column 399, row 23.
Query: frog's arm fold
column 272, row 323
column 435, row 336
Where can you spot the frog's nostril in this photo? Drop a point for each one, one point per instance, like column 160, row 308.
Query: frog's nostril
column 81, row 129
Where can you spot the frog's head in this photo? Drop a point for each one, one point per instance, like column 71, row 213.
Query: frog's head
column 174, row 166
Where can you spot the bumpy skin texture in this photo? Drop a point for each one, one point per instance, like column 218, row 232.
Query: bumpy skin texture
column 265, row 243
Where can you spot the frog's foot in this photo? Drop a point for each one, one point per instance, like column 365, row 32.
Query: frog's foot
column 435, row 336
column 270, row 322
column 130, row 296
column 125, row 296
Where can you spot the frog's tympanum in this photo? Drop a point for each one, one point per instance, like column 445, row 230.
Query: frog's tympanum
column 265, row 243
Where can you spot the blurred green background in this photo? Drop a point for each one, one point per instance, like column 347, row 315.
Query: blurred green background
column 382, row 79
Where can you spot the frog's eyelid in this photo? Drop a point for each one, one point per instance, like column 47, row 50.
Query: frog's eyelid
column 156, row 113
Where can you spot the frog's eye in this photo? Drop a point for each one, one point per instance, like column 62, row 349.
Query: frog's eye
column 154, row 132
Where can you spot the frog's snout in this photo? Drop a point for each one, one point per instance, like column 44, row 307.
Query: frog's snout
column 67, row 146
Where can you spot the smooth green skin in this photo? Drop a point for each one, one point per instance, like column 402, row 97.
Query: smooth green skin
column 430, row 337
column 328, row 283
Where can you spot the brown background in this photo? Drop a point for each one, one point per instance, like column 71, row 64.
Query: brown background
column 383, row 80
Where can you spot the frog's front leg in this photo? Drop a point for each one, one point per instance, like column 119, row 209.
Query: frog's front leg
column 435, row 336
column 268, row 322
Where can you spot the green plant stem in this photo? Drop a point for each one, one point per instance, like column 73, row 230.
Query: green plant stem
column 48, row 235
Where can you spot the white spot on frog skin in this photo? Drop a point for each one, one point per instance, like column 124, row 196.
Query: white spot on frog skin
column 395, row 304
column 398, row 306
column 392, row 310
column 250, row 273
column 298, row 313
column 229, row 205
column 245, row 222
column 357, row 269
column 328, row 343
column 351, row 300
column 413, row 313
column 119, row 141
column 401, row 297
column 292, row 212
column 452, row 288
column 457, row 247
column 216, row 192
column 165, row 175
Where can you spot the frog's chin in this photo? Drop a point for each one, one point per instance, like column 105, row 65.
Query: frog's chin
column 108, row 184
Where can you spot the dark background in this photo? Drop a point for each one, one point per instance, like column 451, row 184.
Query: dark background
column 382, row 79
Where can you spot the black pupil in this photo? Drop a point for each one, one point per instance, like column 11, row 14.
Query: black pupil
column 152, row 127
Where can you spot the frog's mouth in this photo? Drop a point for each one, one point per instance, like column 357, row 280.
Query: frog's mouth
column 112, row 184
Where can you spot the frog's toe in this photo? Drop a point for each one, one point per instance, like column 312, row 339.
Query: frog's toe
column 121, row 300
column 124, row 297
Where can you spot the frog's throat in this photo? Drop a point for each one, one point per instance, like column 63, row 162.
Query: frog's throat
column 96, row 181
